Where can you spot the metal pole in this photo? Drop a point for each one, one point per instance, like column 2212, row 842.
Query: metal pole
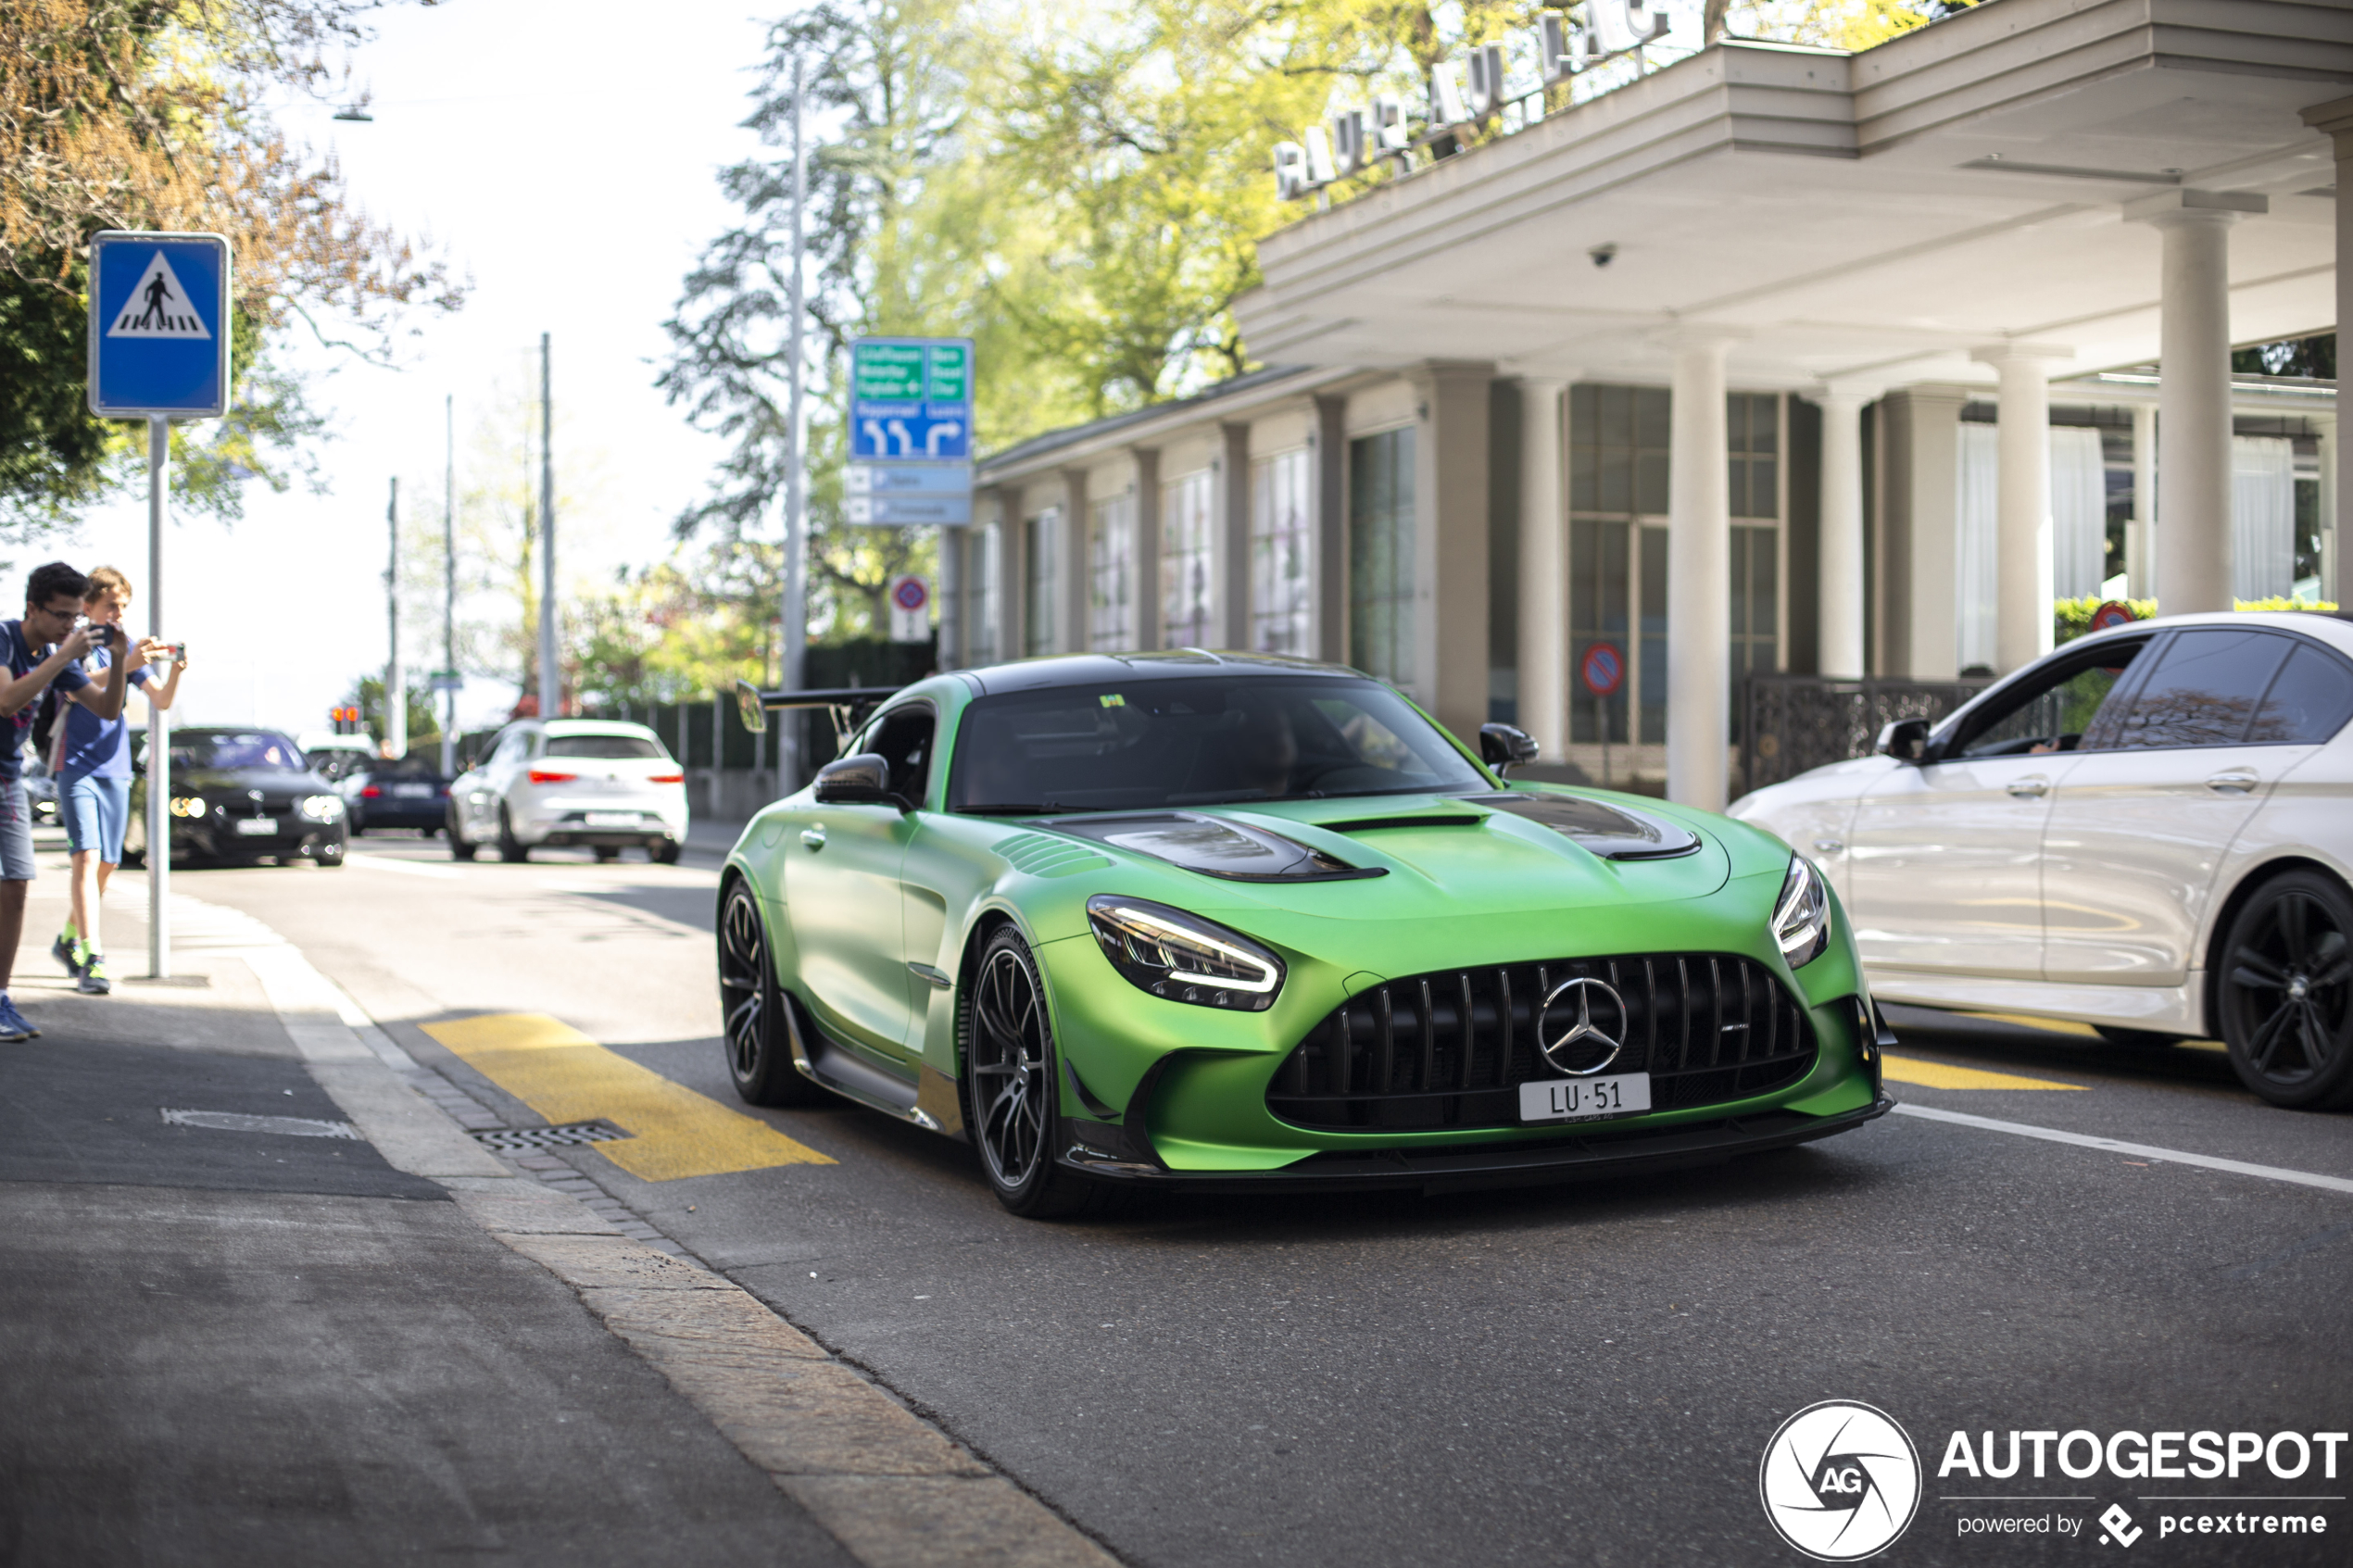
column 550, row 691
column 395, row 677
column 793, row 632
column 449, row 582
column 159, row 721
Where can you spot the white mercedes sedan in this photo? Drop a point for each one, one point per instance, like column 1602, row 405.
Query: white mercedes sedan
column 2149, row 830
column 588, row 782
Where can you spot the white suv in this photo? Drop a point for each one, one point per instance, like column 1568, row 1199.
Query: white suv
column 577, row 781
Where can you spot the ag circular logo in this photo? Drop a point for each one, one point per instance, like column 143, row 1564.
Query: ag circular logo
column 1595, row 1020
column 1840, row 1481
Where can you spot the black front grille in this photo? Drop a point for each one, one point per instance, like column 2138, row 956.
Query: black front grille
column 1450, row 1049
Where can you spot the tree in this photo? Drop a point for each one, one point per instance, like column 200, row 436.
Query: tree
column 149, row 114
column 2314, row 356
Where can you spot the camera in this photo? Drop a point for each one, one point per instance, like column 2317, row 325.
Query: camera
column 102, row 633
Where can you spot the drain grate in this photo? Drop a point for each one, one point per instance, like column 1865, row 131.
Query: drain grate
column 523, row 1140
column 238, row 1121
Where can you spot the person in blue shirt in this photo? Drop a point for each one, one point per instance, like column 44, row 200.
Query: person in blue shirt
column 44, row 646
column 93, row 785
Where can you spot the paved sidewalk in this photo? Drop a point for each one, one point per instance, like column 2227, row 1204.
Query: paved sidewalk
column 220, row 1345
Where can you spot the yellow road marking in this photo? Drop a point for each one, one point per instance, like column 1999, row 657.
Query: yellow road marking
column 1938, row 1075
column 2028, row 1020
column 566, row 1077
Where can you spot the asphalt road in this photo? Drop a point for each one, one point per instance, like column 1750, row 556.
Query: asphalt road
column 1585, row 1375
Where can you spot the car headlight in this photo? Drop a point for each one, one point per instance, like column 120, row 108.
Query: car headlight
column 1182, row 957
column 322, row 807
column 188, row 806
column 1802, row 915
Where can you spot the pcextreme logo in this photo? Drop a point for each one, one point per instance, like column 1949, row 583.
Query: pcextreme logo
column 1840, row 1481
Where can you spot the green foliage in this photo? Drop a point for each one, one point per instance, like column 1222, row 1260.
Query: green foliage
column 2314, row 357
column 2072, row 618
column 424, row 725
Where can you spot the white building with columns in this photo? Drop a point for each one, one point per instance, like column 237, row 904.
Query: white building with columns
column 1776, row 359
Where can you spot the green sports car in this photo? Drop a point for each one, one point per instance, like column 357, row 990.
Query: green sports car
column 1248, row 923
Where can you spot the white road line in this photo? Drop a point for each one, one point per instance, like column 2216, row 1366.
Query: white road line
column 405, row 868
column 2112, row 1146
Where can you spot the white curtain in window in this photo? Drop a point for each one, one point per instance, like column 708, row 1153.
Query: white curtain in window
column 1188, row 562
column 2079, row 512
column 1112, row 576
column 1976, row 535
column 2262, row 517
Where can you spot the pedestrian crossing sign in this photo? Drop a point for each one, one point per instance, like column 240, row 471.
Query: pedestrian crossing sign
column 158, row 325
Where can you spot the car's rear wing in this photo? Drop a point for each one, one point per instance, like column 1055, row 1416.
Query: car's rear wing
column 848, row 706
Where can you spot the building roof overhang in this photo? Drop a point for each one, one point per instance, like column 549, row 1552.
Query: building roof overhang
column 1869, row 217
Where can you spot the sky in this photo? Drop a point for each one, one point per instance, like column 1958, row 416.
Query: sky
column 563, row 156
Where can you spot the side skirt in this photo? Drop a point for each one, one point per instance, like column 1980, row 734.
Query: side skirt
column 851, row 1076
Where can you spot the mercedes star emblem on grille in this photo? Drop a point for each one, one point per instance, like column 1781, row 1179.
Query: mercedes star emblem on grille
column 1587, row 991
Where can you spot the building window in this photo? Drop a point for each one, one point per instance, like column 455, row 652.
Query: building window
column 1039, row 558
column 1600, row 588
column 1618, row 449
column 1753, row 439
column 1756, row 612
column 985, row 593
column 1282, row 554
column 1381, row 555
column 1188, row 562
column 1111, row 576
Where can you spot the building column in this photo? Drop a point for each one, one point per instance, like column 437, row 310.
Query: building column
column 1012, row 567
column 1147, row 460
column 1331, row 530
column 1919, row 431
column 1699, row 575
column 1543, row 567
column 2194, row 394
column 1841, row 592
column 2022, row 578
column 950, row 646
column 1077, row 579
column 2140, row 533
column 1450, row 544
column 1234, row 535
column 2335, row 121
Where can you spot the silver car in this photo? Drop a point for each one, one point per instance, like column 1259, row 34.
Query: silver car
column 2149, row 830
column 585, row 783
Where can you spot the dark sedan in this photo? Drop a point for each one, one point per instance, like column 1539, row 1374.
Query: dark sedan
column 240, row 794
column 411, row 793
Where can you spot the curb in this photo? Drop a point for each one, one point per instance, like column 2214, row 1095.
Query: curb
column 893, row 1489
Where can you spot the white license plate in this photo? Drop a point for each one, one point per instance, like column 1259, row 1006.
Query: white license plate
column 256, row 827
column 412, row 792
column 610, row 819
column 1585, row 1100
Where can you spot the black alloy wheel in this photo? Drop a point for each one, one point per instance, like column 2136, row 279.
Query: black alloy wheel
column 752, row 1007
column 1009, row 1075
column 2286, row 992
column 510, row 849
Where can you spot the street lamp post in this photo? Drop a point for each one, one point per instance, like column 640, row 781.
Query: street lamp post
column 793, row 630
column 395, row 677
column 449, row 584
column 550, row 691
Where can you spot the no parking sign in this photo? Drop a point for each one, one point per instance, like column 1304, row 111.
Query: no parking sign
column 1603, row 669
column 909, row 609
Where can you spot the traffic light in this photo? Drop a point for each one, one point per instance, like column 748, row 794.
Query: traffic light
column 345, row 718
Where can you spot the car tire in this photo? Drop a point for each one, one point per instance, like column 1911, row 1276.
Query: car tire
column 2283, row 991
column 607, row 854
column 664, row 854
column 1009, row 1078
column 2138, row 1039
column 510, row 849
column 751, row 1010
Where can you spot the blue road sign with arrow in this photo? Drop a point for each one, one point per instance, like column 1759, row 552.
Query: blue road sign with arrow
column 911, row 399
column 158, row 325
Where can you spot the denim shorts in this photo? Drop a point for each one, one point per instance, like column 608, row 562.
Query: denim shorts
column 15, row 833
column 95, row 810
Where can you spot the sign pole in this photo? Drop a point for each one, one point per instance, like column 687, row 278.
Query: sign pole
column 793, row 630
column 159, row 719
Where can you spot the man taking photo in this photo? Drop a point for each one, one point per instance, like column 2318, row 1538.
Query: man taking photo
column 44, row 646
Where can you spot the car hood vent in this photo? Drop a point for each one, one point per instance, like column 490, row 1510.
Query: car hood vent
column 1613, row 832
column 1376, row 824
column 1213, row 846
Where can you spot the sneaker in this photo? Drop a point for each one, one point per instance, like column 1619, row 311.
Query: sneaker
column 93, row 977
column 68, row 951
column 14, row 1025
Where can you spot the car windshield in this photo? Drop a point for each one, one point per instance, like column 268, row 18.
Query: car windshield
column 600, row 747
column 237, row 748
column 1198, row 742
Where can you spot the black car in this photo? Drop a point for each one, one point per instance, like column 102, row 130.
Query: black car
column 239, row 795
column 411, row 793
